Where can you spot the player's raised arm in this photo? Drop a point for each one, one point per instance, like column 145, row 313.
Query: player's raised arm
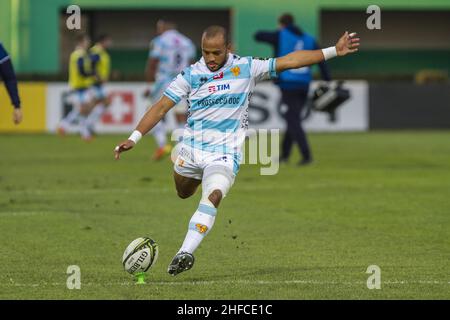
column 148, row 121
column 348, row 43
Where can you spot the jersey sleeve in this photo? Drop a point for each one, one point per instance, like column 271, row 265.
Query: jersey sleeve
column 3, row 54
column 180, row 87
column 9, row 77
column 263, row 68
column 156, row 50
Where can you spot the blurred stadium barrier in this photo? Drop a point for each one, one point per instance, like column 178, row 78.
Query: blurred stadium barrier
column 371, row 106
column 45, row 104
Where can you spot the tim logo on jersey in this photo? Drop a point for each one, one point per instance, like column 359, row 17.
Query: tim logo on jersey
column 218, row 87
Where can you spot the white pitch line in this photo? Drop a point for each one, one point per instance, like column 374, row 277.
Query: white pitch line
column 212, row 282
column 23, row 213
column 91, row 191
column 147, row 190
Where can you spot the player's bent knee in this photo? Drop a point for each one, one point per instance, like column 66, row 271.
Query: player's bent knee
column 215, row 197
column 216, row 183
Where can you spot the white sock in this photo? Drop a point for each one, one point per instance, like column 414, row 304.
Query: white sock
column 69, row 119
column 201, row 223
column 84, row 130
column 95, row 115
column 159, row 132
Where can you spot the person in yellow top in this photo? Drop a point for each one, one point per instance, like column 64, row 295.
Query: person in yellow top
column 81, row 77
column 80, row 66
column 101, row 66
column 100, row 58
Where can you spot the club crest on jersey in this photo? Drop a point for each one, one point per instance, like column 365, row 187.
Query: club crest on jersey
column 235, row 71
column 201, row 228
column 219, row 87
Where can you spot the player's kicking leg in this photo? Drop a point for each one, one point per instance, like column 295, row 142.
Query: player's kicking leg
column 216, row 181
column 186, row 187
column 101, row 103
column 77, row 98
column 85, row 111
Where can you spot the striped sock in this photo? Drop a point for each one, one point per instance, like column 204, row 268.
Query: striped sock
column 201, row 223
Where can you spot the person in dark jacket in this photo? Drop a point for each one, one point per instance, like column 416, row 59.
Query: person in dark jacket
column 294, row 84
column 9, row 78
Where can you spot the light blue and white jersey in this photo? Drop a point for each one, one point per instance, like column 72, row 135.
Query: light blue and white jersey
column 174, row 52
column 218, row 101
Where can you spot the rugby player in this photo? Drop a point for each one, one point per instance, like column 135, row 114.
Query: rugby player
column 101, row 66
column 170, row 52
column 81, row 77
column 218, row 89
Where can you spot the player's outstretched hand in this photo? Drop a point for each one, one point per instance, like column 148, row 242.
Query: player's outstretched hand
column 17, row 116
column 348, row 43
column 123, row 146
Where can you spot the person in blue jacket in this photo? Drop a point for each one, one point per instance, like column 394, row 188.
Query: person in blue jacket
column 294, row 84
column 9, row 78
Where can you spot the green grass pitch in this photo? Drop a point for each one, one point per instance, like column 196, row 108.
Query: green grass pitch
column 380, row 198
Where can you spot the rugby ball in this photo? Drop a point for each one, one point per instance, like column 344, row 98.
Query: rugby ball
column 140, row 255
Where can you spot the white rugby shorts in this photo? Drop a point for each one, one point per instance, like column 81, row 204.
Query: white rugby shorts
column 192, row 162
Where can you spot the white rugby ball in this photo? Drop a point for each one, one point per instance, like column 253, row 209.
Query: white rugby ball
column 140, row 255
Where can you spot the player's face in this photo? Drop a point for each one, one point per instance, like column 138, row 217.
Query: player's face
column 107, row 43
column 86, row 43
column 160, row 26
column 215, row 52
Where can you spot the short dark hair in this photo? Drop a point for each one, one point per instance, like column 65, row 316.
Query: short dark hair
column 286, row 19
column 102, row 37
column 81, row 37
column 168, row 22
column 213, row 31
